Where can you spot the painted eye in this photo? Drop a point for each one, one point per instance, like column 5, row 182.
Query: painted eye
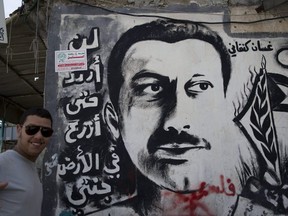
column 149, row 87
column 149, row 91
column 197, row 87
column 203, row 86
column 152, row 89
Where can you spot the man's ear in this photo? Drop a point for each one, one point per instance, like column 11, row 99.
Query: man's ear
column 18, row 128
column 111, row 119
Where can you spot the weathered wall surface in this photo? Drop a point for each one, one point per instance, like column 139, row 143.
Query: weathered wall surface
column 182, row 110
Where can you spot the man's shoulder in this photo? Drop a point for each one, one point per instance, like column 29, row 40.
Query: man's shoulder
column 6, row 155
column 8, row 158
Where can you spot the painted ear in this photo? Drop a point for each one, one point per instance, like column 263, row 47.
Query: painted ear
column 111, row 120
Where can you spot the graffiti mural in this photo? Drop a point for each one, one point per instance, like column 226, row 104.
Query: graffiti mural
column 172, row 116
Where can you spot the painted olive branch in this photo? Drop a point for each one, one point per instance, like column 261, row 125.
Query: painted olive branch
column 261, row 122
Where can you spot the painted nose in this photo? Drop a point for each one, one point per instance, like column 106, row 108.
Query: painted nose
column 178, row 118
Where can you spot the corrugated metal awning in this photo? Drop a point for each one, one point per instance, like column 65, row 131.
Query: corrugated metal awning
column 22, row 63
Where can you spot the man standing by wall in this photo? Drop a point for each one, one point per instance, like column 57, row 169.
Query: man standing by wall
column 23, row 194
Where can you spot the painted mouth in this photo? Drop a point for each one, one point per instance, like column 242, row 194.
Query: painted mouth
column 173, row 161
column 176, row 154
column 178, row 149
column 173, row 144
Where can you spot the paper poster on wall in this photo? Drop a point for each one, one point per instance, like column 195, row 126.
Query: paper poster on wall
column 67, row 60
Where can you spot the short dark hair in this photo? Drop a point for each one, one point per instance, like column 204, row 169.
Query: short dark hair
column 41, row 112
column 170, row 31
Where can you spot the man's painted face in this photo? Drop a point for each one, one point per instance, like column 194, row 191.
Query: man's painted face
column 171, row 112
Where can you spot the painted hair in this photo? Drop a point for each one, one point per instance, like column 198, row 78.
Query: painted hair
column 41, row 112
column 169, row 31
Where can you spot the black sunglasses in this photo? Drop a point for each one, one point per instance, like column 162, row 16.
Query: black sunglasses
column 33, row 129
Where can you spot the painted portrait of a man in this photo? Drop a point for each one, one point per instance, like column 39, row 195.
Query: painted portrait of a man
column 167, row 85
column 170, row 118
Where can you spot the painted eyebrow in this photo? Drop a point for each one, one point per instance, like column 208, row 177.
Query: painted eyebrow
column 147, row 74
column 198, row 75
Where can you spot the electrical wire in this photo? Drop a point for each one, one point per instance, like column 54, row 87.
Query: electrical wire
column 35, row 45
column 9, row 50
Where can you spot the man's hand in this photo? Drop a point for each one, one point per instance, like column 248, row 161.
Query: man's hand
column 3, row 185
